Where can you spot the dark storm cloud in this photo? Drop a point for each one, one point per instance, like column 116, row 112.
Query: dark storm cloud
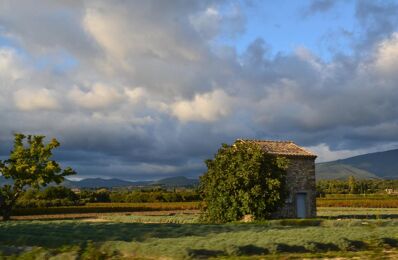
column 150, row 93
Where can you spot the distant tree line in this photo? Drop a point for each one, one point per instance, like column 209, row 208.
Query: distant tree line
column 355, row 186
column 49, row 197
column 62, row 196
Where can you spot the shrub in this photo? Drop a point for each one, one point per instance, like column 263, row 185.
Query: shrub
column 242, row 179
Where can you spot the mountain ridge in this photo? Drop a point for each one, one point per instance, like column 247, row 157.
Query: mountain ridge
column 378, row 165
column 170, row 182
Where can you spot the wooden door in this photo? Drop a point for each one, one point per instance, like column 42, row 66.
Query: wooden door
column 301, row 205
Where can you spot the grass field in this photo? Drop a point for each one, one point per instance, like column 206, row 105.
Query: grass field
column 180, row 236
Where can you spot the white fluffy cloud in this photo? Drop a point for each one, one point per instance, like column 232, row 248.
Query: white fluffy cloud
column 32, row 99
column 206, row 107
column 10, row 69
column 387, row 56
column 98, row 96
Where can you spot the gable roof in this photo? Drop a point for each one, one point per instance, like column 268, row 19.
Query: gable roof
column 284, row 148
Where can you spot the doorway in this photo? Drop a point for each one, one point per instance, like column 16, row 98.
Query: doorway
column 301, row 205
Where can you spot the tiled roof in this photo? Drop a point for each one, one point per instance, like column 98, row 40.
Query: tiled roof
column 285, row 148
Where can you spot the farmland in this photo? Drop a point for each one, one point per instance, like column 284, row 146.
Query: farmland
column 178, row 234
column 109, row 207
column 335, row 200
column 361, row 201
column 364, row 226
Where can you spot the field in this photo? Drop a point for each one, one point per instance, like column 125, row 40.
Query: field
column 109, row 207
column 365, row 201
column 179, row 235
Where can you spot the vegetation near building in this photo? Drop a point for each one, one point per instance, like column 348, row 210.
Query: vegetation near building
column 261, row 178
column 242, row 179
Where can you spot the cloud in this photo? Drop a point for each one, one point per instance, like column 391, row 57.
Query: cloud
column 325, row 154
column 377, row 20
column 212, row 22
column 206, row 107
column 27, row 100
column 318, row 6
column 10, row 67
column 98, row 96
column 153, row 91
column 387, row 56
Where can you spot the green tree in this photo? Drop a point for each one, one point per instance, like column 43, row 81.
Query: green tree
column 352, row 185
column 29, row 165
column 242, row 179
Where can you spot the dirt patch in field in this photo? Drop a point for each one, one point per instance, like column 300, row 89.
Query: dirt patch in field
column 95, row 220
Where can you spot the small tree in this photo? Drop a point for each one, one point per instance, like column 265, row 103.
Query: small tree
column 29, row 165
column 242, row 179
column 352, row 185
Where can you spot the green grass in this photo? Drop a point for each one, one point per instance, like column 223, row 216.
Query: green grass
column 176, row 219
column 181, row 236
column 121, row 237
column 351, row 212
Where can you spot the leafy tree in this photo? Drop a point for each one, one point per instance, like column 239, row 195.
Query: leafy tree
column 29, row 165
column 242, row 179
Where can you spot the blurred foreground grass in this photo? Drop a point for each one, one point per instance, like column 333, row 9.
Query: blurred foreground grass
column 180, row 236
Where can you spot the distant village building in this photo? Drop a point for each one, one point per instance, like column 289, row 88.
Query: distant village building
column 300, row 178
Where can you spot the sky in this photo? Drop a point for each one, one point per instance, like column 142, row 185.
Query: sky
column 142, row 90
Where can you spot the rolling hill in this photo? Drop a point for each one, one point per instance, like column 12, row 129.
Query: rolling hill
column 332, row 170
column 380, row 165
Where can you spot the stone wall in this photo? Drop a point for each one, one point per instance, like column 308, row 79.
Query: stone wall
column 300, row 179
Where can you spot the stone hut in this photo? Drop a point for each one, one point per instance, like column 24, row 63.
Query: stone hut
column 300, row 178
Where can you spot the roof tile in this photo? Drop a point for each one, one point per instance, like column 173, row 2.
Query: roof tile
column 285, row 148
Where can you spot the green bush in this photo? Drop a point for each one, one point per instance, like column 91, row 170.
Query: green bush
column 242, row 179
